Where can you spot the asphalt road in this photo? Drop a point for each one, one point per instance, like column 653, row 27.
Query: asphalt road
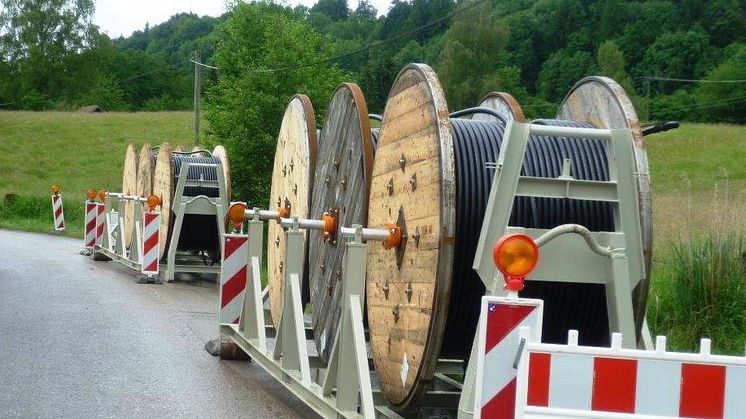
column 80, row 339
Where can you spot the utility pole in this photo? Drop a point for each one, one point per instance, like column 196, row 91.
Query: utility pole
column 197, row 94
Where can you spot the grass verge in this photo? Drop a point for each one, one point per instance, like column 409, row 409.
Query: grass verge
column 699, row 290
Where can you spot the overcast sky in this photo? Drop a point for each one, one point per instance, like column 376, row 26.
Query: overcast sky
column 122, row 17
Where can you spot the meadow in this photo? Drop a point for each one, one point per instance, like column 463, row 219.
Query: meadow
column 76, row 151
column 698, row 175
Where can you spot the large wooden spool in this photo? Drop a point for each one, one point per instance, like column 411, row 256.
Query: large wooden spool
column 129, row 187
column 221, row 154
column 145, row 170
column 422, row 297
column 163, row 188
column 200, row 231
column 292, row 178
column 405, row 302
column 340, row 186
column 603, row 103
column 502, row 102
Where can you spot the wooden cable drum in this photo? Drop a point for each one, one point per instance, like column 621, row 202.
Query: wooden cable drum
column 423, row 298
column 129, row 187
column 145, row 169
column 221, row 154
column 603, row 103
column 292, row 178
column 340, row 186
column 502, row 102
column 201, row 230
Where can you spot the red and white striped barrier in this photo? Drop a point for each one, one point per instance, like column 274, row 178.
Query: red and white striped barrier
column 91, row 216
column 233, row 274
column 499, row 330
column 100, row 221
column 150, row 247
column 58, row 212
column 572, row 381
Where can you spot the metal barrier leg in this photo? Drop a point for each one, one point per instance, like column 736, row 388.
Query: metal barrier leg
column 348, row 364
column 291, row 335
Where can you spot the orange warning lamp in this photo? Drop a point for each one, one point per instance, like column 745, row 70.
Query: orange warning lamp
column 102, row 195
column 282, row 212
column 515, row 255
column 237, row 213
column 330, row 225
column 92, row 193
column 153, row 201
column 56, row 189
column 395, row 236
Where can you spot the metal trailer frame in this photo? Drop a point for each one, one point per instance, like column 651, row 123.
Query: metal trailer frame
column 112, row 242
column 343, row 389
column 195, row 205
column 611, row 258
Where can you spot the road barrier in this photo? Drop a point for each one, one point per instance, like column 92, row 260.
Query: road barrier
column 233, row 276
column 150, row 243
column 91, row 219
column 58, row 211
column 574, row 381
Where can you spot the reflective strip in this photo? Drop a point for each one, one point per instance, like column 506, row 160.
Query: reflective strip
column 658, row 387
column 571, row 381
column 702, row 390
column 735, row 392
column 100, row 221
column 614, row 384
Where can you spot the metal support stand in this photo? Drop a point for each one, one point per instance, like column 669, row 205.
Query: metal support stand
column 112, row 242
column 349, row 344
column 611, row 258
column 198, row 205
column 288, row 361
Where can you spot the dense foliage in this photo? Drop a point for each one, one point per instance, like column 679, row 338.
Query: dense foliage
column 52, row 57
column 244, row 107
column 676, row 58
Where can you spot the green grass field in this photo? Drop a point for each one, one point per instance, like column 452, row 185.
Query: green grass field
column 698, row 173
column 78, row 152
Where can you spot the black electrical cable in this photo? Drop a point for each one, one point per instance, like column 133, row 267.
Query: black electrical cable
column 203, row 228
column 375, row 135
column 482, row 110
column 566, row 306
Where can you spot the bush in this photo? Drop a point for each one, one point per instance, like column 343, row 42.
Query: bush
column 244, row 108
column 34, row 213
column 699, row 290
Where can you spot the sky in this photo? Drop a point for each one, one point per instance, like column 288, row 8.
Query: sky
column 122, row 17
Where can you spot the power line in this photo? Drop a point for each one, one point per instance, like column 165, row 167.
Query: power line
column 168, row 66
column 374, row 44
column 204, row 65
column 655, row 78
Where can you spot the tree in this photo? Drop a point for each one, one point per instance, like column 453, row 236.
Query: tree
column 725, row 21
column 38, row 37
column 468, row 64
column 724, row 102
column 334, row 9
column 611, row 64
column 560, row 72
column 365, row 10
column 686, row 55
column 265, row 55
